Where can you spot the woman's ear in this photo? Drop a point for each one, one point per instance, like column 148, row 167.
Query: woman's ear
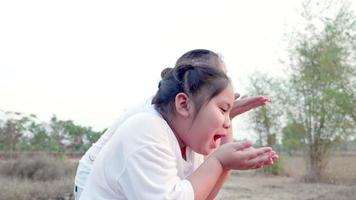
column 183, row 105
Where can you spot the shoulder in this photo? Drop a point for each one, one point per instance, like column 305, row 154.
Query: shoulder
column 145, row 127
column 148, row 119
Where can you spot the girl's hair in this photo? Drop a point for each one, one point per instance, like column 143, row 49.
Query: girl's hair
column 200, row 82
column 199, row 57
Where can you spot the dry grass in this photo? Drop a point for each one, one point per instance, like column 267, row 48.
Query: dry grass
column 38, row 168
column 341, row 169
column 246, row 185
column 36, row 177
column 250, row 186
column 23, row 189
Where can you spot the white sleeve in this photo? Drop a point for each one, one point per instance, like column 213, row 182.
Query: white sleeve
column 151, row 173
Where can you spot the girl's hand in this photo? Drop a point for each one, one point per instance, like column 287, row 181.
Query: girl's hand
column 245, row 104
column 242, row 156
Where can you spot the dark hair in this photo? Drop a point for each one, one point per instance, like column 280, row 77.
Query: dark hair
column 198, row 57
column 201, row 83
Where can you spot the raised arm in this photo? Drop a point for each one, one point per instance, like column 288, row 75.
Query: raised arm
column 245, row 104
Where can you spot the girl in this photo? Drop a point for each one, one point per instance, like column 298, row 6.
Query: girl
column 195, row 58
column 158, row 153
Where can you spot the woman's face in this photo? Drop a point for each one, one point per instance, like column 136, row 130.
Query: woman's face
column 211, row 123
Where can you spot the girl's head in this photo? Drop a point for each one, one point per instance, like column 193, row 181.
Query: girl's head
column 199, row 57
column 168, row 87
column 199, row 83
column 195, row 99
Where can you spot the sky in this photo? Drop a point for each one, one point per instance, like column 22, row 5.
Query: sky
column 88, row 61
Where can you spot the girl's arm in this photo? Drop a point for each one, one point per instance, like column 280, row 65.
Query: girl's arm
column 240, row 106
column 225, row 175
column 205, row 180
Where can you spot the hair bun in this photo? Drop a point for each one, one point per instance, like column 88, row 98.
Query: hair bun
column 166, row 71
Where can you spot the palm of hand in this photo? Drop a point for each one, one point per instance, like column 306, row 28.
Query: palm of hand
column 240, row 156
column 245, row 104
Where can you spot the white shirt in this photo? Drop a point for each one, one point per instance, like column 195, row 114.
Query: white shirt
column 142, row 160
column 86, row 162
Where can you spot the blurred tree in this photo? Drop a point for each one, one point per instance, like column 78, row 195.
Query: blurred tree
column 25, row 134
column 266, row 120
column 57, row 135
column 293, row 137
column 90, row 138
column 72, row 137
column 322, row 84
column 75, row 135
column 80, row 137
column 40, row 140
column 12, row 135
